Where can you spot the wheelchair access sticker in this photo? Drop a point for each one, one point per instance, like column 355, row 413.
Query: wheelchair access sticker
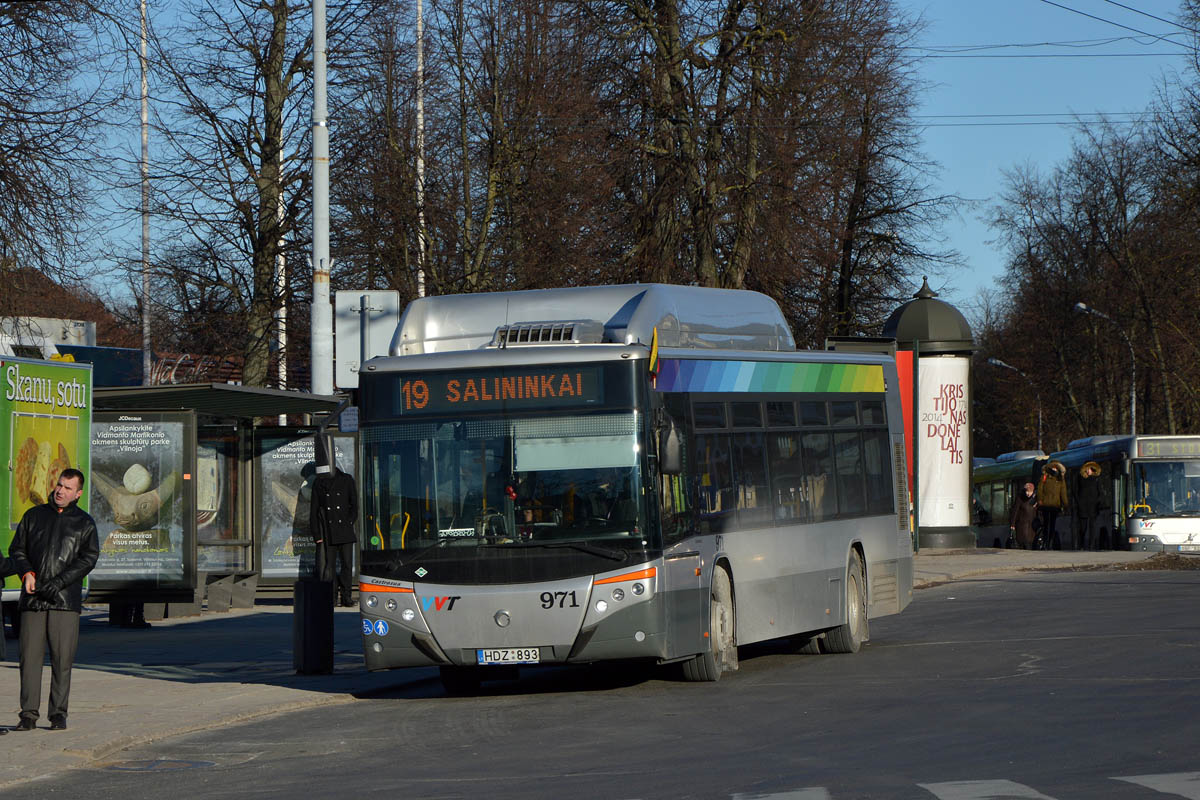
column 380, row 627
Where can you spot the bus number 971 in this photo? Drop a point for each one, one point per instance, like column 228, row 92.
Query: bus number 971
column 549, row 599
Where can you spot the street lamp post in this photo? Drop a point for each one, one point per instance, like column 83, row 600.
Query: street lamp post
column 995, row 362
column 1083, row 308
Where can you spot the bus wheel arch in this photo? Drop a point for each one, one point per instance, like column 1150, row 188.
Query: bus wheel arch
column 720, row 643
column 849, row 636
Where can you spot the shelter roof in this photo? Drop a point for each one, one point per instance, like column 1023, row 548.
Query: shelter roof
column 214, row 399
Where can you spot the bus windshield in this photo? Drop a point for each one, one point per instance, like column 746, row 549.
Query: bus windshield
column 468, row 487
column 1166, row 488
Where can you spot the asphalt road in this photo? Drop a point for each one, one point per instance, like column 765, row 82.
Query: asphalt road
column 1054, row 685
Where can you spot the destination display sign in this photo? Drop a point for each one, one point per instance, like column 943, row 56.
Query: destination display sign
column 545, row 387
column 1169, row 447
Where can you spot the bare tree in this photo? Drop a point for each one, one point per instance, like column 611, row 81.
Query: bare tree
column 1109, row 228
column 724, row 143
column 55, row 92
column 234, row 117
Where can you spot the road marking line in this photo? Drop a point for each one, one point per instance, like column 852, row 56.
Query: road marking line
column 1184, row 784
column 814, row 793
column 983, row 790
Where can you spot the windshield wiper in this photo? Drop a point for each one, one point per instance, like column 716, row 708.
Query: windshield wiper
column 434, row 546
column 583, row 547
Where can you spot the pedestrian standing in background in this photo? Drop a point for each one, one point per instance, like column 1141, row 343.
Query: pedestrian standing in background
column 1052, row 500
column 6, row 568
column 333, row 512
column 1087, row 507
column 54, row 548
column 1021, row 516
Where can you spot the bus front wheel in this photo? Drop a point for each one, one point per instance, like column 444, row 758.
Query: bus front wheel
column 721, row 653
column 848, row 638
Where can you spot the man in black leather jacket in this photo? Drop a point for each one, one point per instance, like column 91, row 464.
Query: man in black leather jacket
column 54, row 547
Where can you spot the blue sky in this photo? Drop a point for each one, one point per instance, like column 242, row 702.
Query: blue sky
column 1034, row 94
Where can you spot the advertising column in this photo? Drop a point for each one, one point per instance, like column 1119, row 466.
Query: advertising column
column 44, row 425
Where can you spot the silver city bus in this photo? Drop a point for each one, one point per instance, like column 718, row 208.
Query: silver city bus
column 623, row 472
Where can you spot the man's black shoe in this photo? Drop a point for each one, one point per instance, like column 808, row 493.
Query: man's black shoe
column 58, row 723
column 26, row 724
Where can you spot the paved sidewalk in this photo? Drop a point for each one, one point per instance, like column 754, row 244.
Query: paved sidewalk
column 195, row 673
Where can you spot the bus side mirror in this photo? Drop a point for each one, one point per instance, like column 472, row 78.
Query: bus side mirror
column 670, row 449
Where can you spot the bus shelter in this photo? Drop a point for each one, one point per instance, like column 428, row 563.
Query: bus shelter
column 195, row 499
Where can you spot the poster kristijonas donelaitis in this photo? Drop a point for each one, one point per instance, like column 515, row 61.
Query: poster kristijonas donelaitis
column 942, row 436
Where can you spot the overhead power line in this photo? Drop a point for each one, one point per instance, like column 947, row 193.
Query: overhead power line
column 1022, row 124
column 1073, row 43
column 1101, row 114
column 1111, row 22
column 1054, row 55
column 1151, row 16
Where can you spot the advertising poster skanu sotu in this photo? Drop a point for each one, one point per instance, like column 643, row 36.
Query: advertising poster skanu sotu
column 44, row 420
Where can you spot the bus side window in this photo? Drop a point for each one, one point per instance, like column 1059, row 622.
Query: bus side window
column 677, row 506
column 787, row 472
column 851, row 494
column 715, row 490
column 821, row 488
column 676, row 516
column 754, row 500
column 878, row 471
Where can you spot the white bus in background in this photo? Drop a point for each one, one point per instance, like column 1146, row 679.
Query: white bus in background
column 1149, row 492
column 1154, row 486
column 623, row 472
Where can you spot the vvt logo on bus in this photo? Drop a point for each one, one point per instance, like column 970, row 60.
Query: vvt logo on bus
column 439, row 603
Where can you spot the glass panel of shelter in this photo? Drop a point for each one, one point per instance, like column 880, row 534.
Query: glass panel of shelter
column 222, row 545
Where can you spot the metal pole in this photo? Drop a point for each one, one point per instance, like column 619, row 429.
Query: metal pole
column 146, row 365
column 420, row 151
column 322, row 312
column 281, row 291
column 916, row 445
column 364, row 317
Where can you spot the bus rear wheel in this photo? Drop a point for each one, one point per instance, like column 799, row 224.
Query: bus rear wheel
column 721, row 653
column 848, row 638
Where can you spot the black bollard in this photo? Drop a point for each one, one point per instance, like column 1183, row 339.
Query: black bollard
column 312, row 627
